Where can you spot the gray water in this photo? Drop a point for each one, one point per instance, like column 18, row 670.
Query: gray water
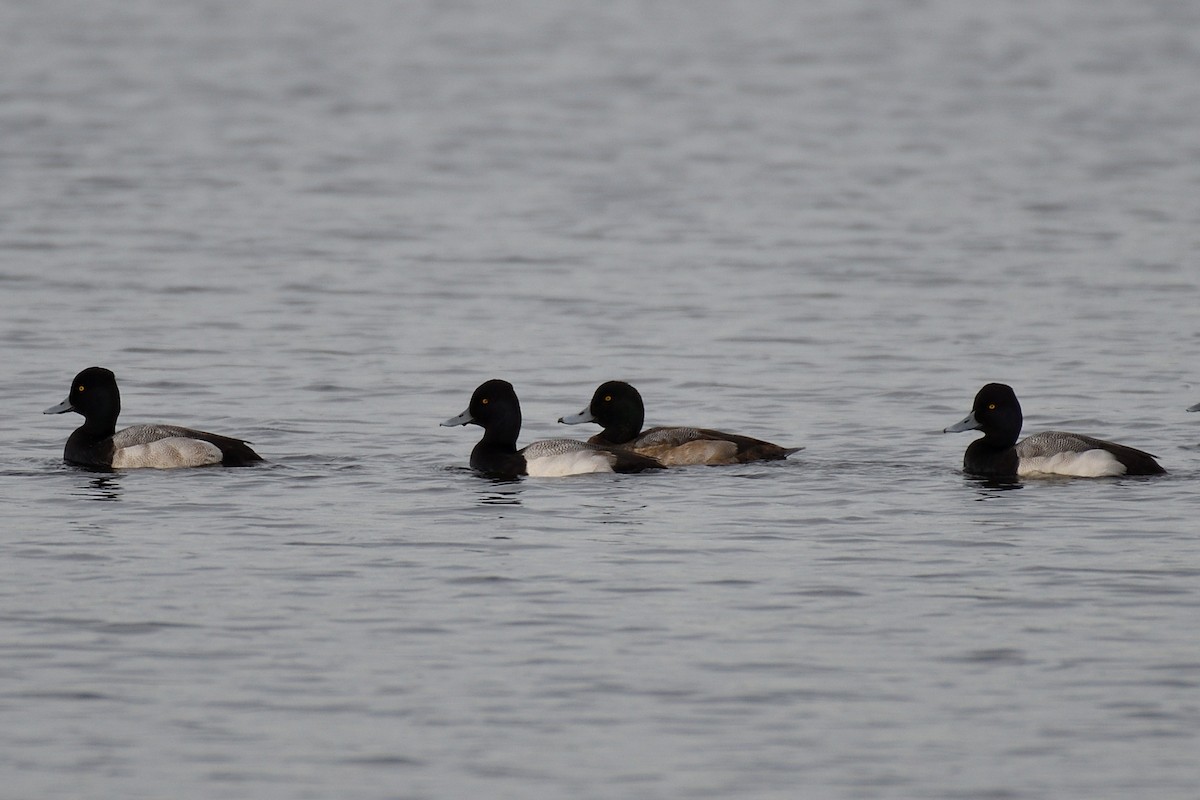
column 320, row 225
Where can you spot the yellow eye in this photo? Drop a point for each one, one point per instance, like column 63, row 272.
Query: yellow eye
column 608, row 398
column 991, row 406
column 81, row 388
column 484, row 401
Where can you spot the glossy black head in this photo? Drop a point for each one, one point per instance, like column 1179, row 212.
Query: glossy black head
column 94, row 394
column 997, row 413
column 494, row 401
column 495, row 408
column 618, row 407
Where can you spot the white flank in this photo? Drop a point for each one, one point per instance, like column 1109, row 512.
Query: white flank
column 575, row 462
column 1087, row 464
column 169, row 453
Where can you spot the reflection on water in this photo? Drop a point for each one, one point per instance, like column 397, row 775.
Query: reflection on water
column 990, row 488
column 502, row 492
column 104, row 488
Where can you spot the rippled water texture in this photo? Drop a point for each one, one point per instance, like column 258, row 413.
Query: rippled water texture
column 320, row 226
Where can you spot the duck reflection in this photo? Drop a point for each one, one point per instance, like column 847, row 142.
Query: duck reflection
column 501, row 492
column 991, row 488
column 105, row 488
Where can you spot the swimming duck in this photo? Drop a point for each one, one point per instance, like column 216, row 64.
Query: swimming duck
column 997, row 413
column 618, row 407
column 97, row 443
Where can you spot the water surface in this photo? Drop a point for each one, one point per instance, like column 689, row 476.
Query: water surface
column 826, row 224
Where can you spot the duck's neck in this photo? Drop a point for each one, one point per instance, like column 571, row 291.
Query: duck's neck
column 624, row 426
column 96, row 428
column 501, row 435
column 1002, row 436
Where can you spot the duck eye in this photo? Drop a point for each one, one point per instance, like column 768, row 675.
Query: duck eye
column 608, row 398
column 484, row 401
column 991, row 406
column 81, row 388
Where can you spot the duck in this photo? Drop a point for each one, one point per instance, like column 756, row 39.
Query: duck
column 98, row 444
column 618, row 407
column 998, row 454
column 495, row 408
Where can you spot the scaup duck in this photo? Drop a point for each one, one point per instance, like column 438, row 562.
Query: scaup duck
column 618, row 407
column 997, row 413
column 97, row 443
column 495, row 408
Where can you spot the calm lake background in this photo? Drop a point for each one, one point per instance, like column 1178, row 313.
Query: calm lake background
column 320, row 225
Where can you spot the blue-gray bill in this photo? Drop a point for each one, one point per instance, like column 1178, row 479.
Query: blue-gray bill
column 577, row 419
column 61, row 408
column 968, row 423
column 464, row 418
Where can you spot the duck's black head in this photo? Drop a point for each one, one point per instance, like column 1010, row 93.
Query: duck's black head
column 618, row 407
column 996, row 412
column 495, row 408
column 94, row 394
